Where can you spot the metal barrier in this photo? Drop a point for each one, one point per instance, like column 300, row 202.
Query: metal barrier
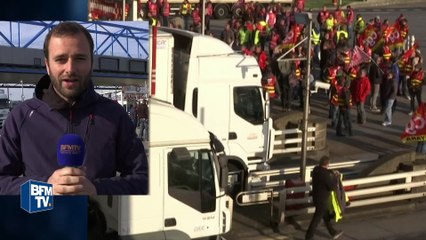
column 366, row 191
column 280, row 144
column 262, row 179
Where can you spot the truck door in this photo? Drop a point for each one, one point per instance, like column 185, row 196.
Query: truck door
column 212, row 103
column 246, row 121
column 191, row 200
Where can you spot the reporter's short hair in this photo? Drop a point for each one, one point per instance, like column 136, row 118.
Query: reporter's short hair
column 67, row 29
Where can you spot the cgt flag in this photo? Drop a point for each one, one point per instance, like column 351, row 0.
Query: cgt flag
column 415, row 131
column 358, row 57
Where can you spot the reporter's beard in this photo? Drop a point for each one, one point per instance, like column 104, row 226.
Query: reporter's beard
column 70, row 95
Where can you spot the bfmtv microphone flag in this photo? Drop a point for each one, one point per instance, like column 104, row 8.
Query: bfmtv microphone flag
column 36, row 196
column 71, row 150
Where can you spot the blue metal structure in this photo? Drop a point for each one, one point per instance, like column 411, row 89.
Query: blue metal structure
column 116, row 38
column 120, row 52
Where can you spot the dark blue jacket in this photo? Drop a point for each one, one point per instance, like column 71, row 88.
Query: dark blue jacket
column 322, row 185
column 115, row 158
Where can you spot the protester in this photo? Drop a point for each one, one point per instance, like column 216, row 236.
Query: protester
column 360, row 89
column 388, row 95
column 322, row 186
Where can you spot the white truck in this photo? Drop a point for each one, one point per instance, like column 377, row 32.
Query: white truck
column 222, row 89
column 223, row 8
column 203, row 76
column 186, row 197
column 4, row 107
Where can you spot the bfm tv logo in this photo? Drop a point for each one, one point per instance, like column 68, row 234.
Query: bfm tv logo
column 36, row 196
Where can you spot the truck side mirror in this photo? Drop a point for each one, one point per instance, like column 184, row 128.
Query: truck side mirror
column 223, row 163
column 217, row 145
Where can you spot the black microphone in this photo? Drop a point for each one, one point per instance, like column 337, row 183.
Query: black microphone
column 71, row 150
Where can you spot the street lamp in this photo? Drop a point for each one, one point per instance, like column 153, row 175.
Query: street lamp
column 22, row 90
column 305, row 19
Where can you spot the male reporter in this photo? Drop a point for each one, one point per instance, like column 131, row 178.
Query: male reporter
column 65, row 102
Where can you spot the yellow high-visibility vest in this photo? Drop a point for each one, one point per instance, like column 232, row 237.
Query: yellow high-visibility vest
column 329, row 23
column 315, row 37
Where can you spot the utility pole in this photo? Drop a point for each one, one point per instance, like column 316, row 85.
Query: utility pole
column 203, row 16
column 306, row 106
column 22, row 90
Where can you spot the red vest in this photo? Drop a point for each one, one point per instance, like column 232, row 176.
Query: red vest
column 153, row 9
column 271, row 19
column 196, row 18
column 416, row 79
column 270, row 87
column 209, row 11
column 166, row 9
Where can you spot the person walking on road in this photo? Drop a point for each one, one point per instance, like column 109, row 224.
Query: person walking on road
column 322, row 185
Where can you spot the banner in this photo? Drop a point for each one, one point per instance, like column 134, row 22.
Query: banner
column 415, row 131
column 409, row 52
column 371, row 37
column 291, row 37
column 358, row 57
column 393, row 37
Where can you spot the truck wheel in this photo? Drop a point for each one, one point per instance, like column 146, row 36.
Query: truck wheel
column 237, row 12
column 221, row 11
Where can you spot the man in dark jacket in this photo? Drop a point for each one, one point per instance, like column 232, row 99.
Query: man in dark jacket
column 376, row 76
column 322, row 185
column 65, row 102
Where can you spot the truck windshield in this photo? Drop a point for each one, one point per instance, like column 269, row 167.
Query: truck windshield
column 248, row 104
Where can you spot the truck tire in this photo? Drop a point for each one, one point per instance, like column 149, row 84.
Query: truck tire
column 221, row 11
column 237, row 11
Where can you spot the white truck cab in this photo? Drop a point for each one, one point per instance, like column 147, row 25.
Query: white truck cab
column 185, row 199
column 203, row 76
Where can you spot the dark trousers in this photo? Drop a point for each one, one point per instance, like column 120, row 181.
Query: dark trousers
column 415, row 95
column 360, row 109
column 286, row 97
column 207, row 21
column 344, row 119
column 402, row 85
column 321, row 212
column 186, row 21
column 165, row 21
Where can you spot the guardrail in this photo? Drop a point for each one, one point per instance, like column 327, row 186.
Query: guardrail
column 364, row 191
column 291, row 144
column 262, row 179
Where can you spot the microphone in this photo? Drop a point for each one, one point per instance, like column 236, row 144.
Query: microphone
column 71, row 150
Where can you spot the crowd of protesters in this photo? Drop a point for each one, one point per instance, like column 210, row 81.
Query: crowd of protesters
column 364, row 61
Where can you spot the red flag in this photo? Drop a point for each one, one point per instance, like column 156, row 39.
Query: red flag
column 393, row 36
column 371, row 37
column 291, row 38
column 415, row 131
column 358, row 57
column 409, row 52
